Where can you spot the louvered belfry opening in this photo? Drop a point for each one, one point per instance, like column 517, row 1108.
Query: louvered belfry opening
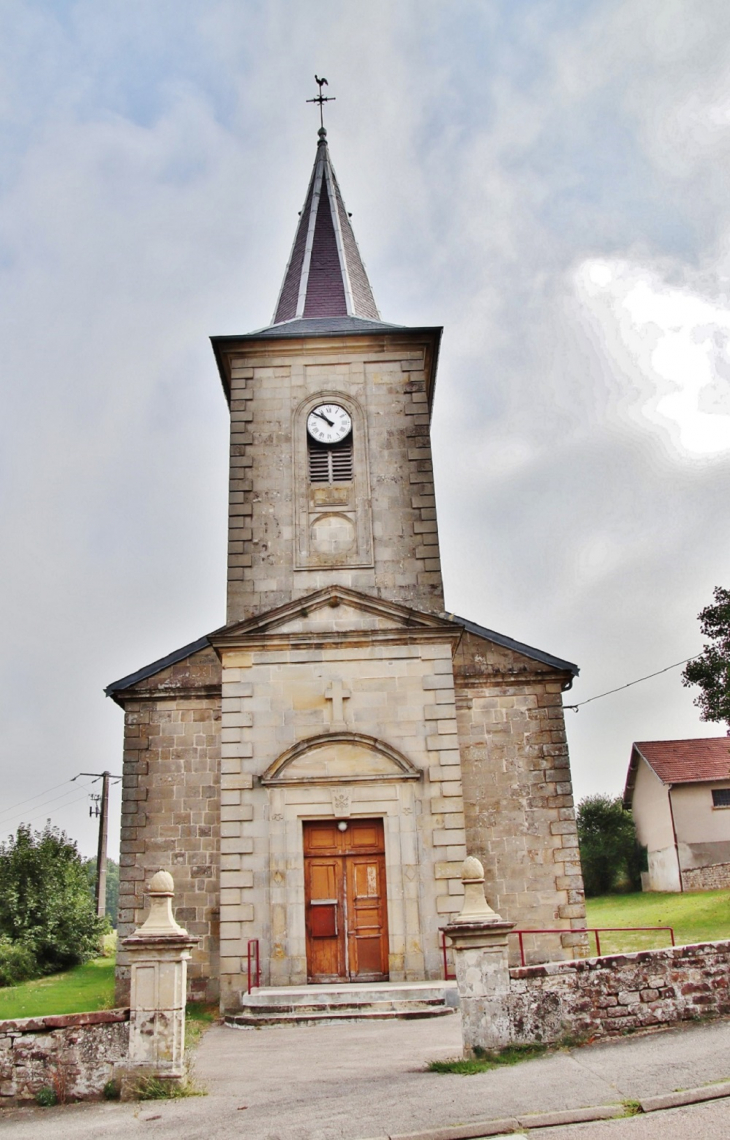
column 330, row 463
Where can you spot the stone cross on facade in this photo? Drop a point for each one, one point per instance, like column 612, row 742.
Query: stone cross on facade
column 338, row 694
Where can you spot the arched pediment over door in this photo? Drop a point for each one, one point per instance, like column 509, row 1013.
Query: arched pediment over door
column 340, row 758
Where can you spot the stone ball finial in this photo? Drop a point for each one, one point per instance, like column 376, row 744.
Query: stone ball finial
column 472, row 870
column 475, row 908
column 160, row 920
column 161, row 883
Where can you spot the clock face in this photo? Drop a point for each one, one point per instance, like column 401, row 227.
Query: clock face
column 328, row 423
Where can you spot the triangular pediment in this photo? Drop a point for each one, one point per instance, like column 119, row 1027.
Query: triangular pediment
column 340, row 758
column 332, row 611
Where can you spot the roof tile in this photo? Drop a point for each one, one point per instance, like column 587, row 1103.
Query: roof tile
column 688, row 761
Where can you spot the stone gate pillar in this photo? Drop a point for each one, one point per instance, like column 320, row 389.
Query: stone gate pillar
column 159, row 951
column 479, row 942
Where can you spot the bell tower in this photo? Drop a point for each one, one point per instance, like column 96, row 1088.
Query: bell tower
column 331, row 480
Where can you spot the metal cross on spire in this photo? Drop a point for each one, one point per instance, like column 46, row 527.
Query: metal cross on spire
column 322, row 99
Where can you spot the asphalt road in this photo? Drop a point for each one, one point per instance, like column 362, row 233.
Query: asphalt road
column 361, row 1081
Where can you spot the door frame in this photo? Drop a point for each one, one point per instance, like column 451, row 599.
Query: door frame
column 409, row 871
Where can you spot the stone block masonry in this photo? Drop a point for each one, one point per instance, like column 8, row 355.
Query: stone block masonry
column 518, row 796
column 601, row 997
column 714, row 877
column 273, row 514
column 325, row 674
column 171, row 807
column 73, row 1054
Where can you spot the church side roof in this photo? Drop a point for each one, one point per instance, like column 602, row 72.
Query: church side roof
column 325, row 276
column 156, row 666
column 518, row 646
column 481, row 631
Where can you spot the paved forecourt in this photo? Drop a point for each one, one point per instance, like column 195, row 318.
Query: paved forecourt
column 357, row 1081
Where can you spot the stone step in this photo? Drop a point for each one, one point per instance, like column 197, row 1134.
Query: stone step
column 332, row 1016
column 310, row 1005
column 337, row 994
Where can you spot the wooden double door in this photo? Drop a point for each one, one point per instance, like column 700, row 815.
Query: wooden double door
column 345, row 898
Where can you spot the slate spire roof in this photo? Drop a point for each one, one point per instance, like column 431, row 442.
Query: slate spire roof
column 325, row 277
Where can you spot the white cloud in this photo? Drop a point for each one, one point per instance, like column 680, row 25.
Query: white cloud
column 679, row 344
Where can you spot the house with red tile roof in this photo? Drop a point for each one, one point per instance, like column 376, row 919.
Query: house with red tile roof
column 679, row 792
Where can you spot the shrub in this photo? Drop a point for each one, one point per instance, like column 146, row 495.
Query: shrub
column 17, row 962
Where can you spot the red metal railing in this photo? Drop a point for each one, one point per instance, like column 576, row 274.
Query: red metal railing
column 447, row 976
column 597, row 930
column 252, row 955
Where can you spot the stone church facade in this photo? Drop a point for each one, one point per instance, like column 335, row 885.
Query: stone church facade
column 314, row 772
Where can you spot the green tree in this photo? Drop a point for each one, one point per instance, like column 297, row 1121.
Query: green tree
column 112, row 886
column 711, row 670
column 609, row 853
column 45, row 903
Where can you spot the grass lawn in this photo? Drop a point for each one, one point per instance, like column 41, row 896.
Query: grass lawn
column 82, row 990
column 85, row 988
column 696, row 916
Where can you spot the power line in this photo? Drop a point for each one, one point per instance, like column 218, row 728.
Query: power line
column 37, row 796
column 14, row 810
column 40, row 808
column 43, row 813
column 45, row 803
column 630, row 683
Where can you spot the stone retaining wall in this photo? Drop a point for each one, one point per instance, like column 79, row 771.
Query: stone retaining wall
column 599, row 997
column 712, row 878
column 74, row 1054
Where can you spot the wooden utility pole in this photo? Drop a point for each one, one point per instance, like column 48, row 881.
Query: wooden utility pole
column 105, row 777
column 101, row 849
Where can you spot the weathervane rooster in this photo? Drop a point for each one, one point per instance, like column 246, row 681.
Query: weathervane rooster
column 321, row 99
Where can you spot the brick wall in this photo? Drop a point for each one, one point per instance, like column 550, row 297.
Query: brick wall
column 171, row 809
column 72, row 1054
column 518, row 796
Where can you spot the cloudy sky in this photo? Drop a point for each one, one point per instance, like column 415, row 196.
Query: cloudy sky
column 545, row 178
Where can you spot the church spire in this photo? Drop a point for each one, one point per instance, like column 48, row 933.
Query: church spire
column 325, row 276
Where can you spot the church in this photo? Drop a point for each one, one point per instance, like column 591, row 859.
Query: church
column 314, row 772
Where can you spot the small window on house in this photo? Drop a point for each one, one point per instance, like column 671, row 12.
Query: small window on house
column 330, row 463
column 721, row 797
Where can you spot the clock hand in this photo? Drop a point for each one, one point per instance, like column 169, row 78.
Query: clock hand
column 326, row 420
